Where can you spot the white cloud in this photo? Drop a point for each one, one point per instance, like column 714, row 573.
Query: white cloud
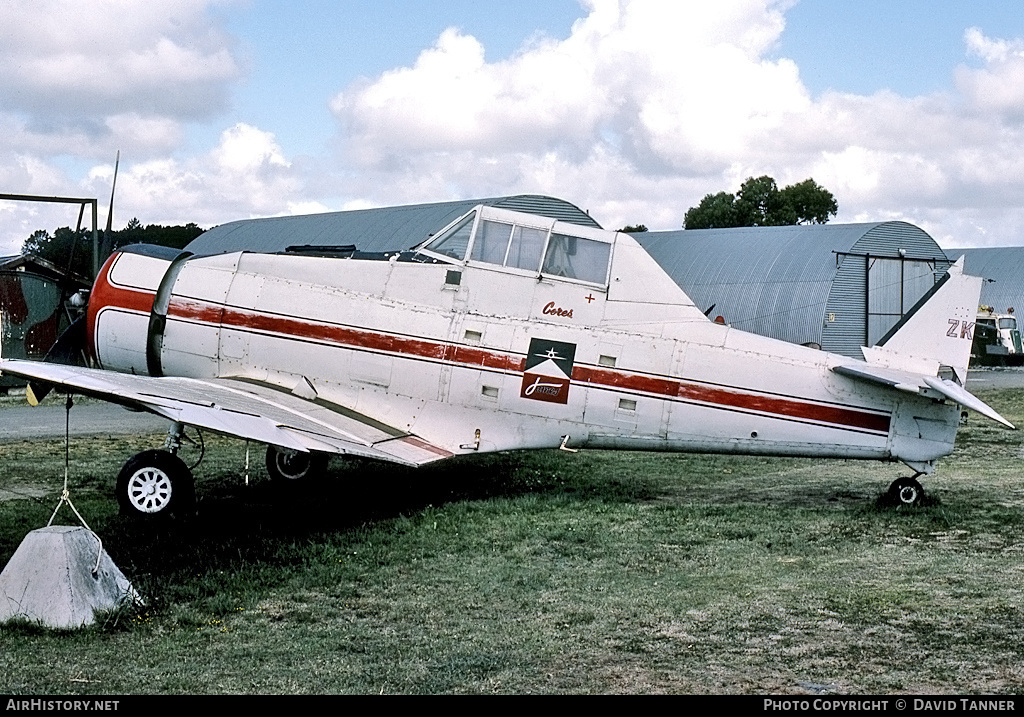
column 84, row 67
column 245, row 175
column 647, row 106
column 999, row 85
column 664, row 81
column 81, row 79
column 992, row 51
column 244, row 149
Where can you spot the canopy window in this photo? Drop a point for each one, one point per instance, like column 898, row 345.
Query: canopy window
column 577, row 258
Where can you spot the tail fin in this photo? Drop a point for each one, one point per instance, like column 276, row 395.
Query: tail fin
column 937, row 332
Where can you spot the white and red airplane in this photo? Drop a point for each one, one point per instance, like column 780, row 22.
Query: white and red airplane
column 504, row 331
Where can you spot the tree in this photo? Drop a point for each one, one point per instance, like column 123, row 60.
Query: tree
column 715, row 211
column 634, row 228
column 761, row 203
column 811, row 202
column 65, row 249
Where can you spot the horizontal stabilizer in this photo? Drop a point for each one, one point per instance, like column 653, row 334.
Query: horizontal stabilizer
column 964, row 398
column 925, row 385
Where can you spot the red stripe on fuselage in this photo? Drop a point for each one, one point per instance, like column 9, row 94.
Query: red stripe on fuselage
column 757, row 403
column 364, row 339
column 343, row 335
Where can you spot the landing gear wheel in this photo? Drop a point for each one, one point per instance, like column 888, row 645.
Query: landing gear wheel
column 154, row 484
column 288, row 466
column 906, row 491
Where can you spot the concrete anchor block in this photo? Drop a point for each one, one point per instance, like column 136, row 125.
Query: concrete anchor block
column 50, row 579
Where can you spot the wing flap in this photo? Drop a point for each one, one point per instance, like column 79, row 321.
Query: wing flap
column 243, row 409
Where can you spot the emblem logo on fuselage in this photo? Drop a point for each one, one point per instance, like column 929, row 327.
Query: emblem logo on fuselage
column 548, row 371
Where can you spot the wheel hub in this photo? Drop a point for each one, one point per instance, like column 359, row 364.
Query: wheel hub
column 292, row 464
column 908, row 494
column 149, row 490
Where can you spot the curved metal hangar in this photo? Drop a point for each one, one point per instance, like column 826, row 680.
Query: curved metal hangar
column 837, row 286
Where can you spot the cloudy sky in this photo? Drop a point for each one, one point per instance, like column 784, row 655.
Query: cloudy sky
column 633, row 110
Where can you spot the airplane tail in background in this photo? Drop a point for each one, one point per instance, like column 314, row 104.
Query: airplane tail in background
column 937, row 332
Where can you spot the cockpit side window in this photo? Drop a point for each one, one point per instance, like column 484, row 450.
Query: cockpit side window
column 455, row 241
column 526, row 244
column 577, row 258
column 526, row 247
column 509, row 245
column 491, row 242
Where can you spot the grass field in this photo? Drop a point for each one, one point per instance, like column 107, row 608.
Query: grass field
column 547, row 572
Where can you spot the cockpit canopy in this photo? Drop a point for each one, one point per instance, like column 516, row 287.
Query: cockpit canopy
column 525, row 243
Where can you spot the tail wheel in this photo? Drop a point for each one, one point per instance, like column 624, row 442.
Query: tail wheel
column 286, row 465
column 155, row 483
column 906, row 491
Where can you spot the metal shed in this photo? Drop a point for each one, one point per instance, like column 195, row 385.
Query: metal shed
column 840, row 286
column 1003, row 270
column 370, row 230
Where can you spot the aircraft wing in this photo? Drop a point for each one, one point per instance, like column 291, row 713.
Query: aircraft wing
column 240, row 408
column 915, row 383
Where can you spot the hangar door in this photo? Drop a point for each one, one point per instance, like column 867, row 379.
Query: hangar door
column 894, row 286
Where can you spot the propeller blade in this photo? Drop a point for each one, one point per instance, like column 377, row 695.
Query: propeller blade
column 113, row 186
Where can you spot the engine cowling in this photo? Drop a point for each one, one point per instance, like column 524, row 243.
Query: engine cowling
column 120, row 312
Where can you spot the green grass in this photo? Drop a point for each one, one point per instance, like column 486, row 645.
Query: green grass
column 596, row 572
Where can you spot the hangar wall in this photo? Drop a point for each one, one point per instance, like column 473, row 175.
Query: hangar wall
column 370, row 230
column 840, row 286
column 1003, row 270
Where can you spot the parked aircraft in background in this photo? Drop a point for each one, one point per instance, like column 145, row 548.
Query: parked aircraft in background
column 504, row 331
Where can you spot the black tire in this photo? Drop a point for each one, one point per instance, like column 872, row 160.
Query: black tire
column 906, row 491
column 287, row 466
column 155, row 484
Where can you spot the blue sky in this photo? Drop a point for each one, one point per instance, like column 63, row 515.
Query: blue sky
column 299, row 56
column 634, row 110
column 909, row 46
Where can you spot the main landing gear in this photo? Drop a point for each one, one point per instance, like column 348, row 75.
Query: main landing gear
column 286, row 466
column 157, row 483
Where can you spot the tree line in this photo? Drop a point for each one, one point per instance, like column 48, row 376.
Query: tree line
column 760, row 203
column 72, row 250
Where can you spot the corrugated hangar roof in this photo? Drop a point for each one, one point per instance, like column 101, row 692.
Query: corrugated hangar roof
column 370, row 230
column 1003, row 269
column 806, row 283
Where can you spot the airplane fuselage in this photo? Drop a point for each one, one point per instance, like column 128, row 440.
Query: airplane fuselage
column 473, row 356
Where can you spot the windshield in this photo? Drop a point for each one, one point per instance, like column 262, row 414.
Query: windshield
column 1008, row 323
column 454, row 242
